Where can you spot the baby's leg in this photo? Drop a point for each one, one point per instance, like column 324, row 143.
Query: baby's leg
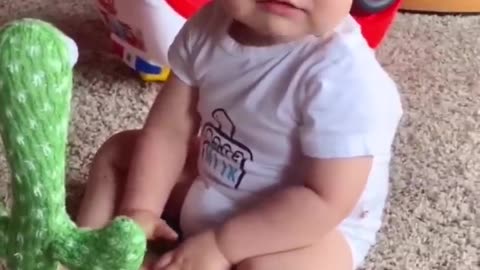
column 331, row 253
column 107, row 178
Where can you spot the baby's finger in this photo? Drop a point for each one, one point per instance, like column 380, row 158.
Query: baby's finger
column 149, row 261
column 162, row 230
column 173, row 267
column 164, row 261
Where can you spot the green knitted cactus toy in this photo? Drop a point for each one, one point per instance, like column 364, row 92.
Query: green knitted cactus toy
column 35, row 91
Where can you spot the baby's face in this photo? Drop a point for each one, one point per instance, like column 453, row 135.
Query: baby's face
column 288, row 19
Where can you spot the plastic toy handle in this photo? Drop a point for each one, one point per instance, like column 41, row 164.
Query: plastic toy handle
column 369, row 7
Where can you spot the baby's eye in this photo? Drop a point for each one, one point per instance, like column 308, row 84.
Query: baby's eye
column 72, row 49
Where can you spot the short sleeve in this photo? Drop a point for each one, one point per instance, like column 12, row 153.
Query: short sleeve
column 179, row 55
column 349, row 116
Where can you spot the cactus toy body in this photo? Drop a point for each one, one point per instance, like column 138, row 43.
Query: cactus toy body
column 35, row 91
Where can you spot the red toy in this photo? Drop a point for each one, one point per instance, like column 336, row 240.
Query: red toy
column 187, row 8
column 376, row 26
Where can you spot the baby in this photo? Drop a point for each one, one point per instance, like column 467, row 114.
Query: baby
column 270, row 143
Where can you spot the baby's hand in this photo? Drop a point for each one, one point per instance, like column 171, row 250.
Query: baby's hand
column 198, row 252
column 154, row 227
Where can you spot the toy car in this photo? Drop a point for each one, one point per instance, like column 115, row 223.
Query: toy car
column 142, row 31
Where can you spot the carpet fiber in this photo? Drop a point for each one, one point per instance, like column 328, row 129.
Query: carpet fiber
column 432, row 221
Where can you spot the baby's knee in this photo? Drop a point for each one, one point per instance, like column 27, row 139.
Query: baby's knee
column 253, row 264
column 117, row 150
column 112, row 160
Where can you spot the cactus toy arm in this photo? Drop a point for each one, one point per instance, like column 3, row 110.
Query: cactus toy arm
column 36, row 63
column 118, row 246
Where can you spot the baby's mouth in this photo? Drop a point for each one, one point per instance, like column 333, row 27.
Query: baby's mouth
column 284, row 3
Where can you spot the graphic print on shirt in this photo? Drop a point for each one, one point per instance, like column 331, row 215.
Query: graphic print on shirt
column 223, row 157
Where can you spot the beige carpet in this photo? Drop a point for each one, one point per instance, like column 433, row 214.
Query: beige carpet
column 432, row 221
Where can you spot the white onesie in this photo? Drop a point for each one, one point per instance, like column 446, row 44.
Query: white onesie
column 262, row 108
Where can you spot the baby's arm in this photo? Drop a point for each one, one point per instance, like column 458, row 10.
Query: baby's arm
column 161, row 149
column 172, row 123
column 298, row 216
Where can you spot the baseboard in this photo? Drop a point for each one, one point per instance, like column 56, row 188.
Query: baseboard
column 445, row 6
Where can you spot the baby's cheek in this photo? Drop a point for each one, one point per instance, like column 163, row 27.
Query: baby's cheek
column 239, row 8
